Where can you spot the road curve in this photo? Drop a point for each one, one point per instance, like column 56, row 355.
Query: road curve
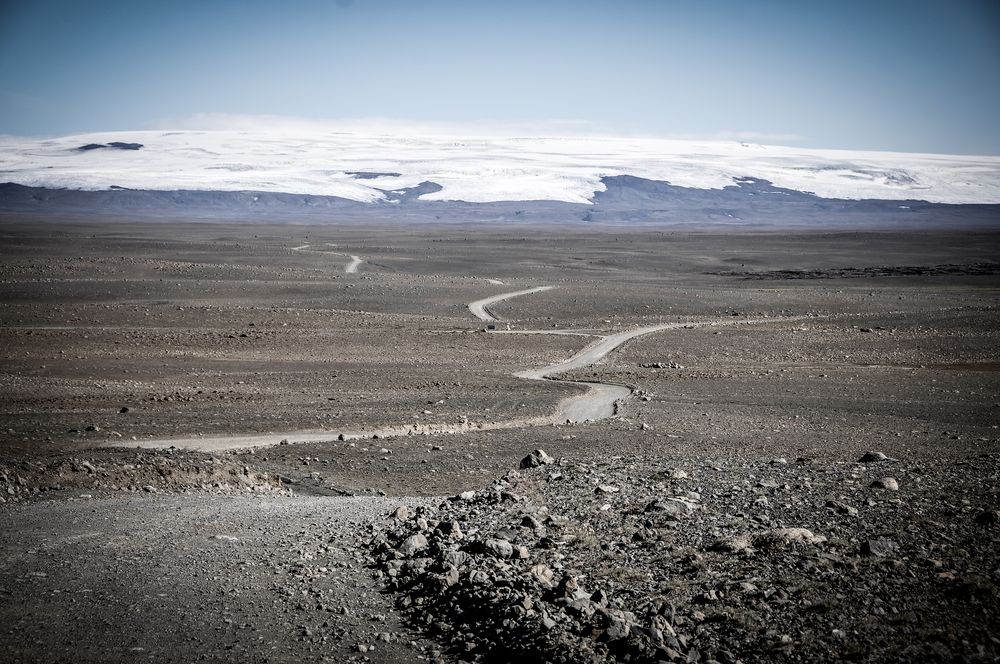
column 478, row 308
column 350, row 268
column 600, row 400
column 595, row 352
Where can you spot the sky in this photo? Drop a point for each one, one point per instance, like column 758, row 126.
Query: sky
column 910, row 76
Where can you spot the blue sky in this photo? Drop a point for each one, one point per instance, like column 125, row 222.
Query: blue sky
column 909, row 76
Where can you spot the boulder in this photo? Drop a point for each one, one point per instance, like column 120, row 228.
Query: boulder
column 536, row 459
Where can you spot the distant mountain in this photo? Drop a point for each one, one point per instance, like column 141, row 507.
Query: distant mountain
column 327, row 175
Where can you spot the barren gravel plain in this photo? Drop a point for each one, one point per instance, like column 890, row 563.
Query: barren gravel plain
column 208, row 432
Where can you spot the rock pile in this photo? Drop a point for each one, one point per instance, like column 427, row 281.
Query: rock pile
column 627, row 560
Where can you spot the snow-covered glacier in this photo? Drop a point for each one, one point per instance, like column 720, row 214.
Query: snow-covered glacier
column 382, row 168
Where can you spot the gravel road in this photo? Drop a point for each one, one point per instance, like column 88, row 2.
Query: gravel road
column 284, row 579
column 478, row 308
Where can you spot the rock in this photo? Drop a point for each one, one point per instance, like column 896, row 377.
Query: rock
column 782, row 536
column 451, row 577
column 887, row 483
column 878, row 547
column 508, row 534
column 479, row 577
column 671, row 506
column 402, row 513
column 841, row 508
column 536, row 459
column 873, row 457
column 606, row 488
column 450, row 529
column 93, row 427
column 412, row 544
column 149, row 488
column 581, row 606
column 732, row 544
column 456, row 559
column 988, row 518
column 499, row 548
column 123, row 409
column 618, row 627
column 531, row 522
column 556, row 521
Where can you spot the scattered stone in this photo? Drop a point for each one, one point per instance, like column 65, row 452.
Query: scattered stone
column 450, row 529
column 732, row 544
column 500, row 548
column 671, row 506
column 887, row 483
column 536, row 459
column 988, row 518
column 412, row 544
column 784, row 536
column 225, row 538
column 878, row 547
column 841, row 508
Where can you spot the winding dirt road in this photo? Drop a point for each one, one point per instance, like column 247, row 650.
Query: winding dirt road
column 601, row 399
column 350, row 268
column 598, row 402
column 478, row 308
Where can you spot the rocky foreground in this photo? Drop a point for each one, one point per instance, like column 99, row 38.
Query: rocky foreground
column 871, row 558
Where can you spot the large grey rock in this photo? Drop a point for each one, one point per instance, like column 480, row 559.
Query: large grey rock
column 413, row 544
column 499, row 548
column 536, row 459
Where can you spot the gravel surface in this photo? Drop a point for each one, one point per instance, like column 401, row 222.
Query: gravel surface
column 728, row 511
column 195, row 578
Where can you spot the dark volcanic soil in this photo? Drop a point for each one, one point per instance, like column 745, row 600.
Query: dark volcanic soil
column 755, row 420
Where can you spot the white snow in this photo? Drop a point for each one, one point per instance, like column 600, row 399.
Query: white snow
column 478, row 169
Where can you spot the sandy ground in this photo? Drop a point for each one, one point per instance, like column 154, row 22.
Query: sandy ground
column 118, row 334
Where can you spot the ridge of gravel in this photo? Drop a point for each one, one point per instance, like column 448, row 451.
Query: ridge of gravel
column 98, row 473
